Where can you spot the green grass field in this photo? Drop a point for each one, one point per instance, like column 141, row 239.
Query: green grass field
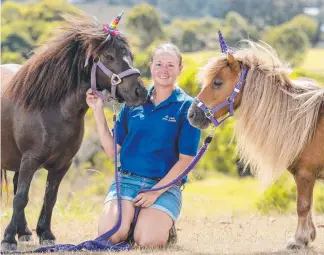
column 314, row 61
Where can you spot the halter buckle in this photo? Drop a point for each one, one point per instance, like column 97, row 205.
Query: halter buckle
column 96, row 59
column 115, row 79
column 230, row 100
column 209, row 114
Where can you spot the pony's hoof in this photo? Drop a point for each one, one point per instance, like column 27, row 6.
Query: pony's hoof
column 293, row 245
column 47, row 242
column 46, row 237
column 25, row 238
column 8, row 246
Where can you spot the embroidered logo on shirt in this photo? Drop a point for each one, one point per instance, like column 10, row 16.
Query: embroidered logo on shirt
column 168, row 118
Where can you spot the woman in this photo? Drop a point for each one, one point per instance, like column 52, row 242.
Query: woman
column 156, row 143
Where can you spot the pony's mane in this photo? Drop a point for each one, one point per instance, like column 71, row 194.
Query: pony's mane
column 277, row 117
column 58, row 65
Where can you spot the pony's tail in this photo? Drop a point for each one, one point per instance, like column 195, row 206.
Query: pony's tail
column 4, row 177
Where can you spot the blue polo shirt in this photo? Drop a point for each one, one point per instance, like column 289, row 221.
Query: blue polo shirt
column 151, row 137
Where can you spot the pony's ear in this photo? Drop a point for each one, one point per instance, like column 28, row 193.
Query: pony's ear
column 234, row 64
column 91, row 52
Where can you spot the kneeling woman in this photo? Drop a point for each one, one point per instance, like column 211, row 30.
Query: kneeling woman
column 156, row 143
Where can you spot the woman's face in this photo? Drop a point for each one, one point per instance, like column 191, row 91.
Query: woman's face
column 165, row 67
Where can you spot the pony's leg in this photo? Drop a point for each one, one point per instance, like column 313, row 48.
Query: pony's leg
column 24, row 234
column 28, row 167
column 312, row 226
column 43, row 229
column 305, row 181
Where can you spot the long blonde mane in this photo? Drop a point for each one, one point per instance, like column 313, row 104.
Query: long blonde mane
column 278, row 116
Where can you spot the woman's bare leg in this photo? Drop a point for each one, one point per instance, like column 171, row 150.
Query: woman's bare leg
column 152, row 228
column 109, row 216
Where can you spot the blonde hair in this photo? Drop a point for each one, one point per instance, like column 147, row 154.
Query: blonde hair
column 277, row 116
column 168, row 46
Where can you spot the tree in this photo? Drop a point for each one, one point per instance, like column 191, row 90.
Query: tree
column 237, row 28
column 308, row 25
column 194, row 34
column 11, row 11
column 144, row 21
column 290, row 43
column 24, row 26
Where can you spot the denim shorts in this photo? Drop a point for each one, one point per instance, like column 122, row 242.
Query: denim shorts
column 169, row 202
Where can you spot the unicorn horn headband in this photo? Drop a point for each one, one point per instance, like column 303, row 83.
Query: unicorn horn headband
column 223, row 45
column 111, row 29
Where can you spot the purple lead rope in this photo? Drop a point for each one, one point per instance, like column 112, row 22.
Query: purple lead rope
column 179, row 178
column 101, row 243
column 114, row 229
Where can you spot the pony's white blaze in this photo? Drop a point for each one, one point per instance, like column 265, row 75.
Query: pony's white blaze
column 127, row 60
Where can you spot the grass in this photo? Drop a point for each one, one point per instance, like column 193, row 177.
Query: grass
column 314, row 61
column 221, row 195
column 218, row 217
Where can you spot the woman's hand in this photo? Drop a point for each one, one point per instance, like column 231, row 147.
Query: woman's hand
column 146, row 199
column 93, row 101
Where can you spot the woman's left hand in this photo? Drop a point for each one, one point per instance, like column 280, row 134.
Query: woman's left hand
column 146, row 199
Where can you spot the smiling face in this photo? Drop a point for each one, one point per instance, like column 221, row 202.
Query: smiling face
column 165, row 67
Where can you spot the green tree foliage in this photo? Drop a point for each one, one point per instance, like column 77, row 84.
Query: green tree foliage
column 260, row 13
column 24, row 26
column 195, row 34
column 144, row 21
column 308, row 25
column 237, row 28
column 279, row 197
column 221, row 155
column 290, row 42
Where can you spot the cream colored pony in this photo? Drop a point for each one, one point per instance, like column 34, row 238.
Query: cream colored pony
column 280, row 123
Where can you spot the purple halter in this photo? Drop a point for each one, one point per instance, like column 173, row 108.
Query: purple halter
column 209, row 113
column 115, row 78
column 112, row 31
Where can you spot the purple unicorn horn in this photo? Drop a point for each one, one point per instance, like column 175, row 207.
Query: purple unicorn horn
column 222, row 42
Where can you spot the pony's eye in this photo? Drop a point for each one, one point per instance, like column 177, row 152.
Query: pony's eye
column 217, row 83
column 110, row 57
column 124, row 52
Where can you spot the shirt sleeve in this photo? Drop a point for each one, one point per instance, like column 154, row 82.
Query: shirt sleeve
column 189, row 136
column 121, row 125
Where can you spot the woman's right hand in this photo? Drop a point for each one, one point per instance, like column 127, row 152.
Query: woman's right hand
column 93, row 101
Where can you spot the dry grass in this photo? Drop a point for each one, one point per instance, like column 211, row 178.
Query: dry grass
column 209, row 235
column 218, row 217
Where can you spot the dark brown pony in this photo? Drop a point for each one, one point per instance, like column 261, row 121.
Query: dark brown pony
column 43, row 107
column 280, row 122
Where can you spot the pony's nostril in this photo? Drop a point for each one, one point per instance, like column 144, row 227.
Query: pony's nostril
column 191, row 114
column 137, row 92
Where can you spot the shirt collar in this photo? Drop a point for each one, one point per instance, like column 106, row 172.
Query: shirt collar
column 176, row 96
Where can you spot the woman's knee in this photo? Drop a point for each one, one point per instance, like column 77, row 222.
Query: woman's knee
column 146, row 239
